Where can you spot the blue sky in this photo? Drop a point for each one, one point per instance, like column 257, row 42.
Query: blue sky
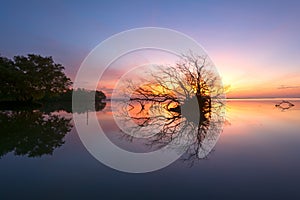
column 251, row 42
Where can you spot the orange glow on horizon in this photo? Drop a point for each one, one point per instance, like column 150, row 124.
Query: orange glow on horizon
column 244, row 115
column 242, row 77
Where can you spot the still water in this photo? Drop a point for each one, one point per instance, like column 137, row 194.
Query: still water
column 257, row 156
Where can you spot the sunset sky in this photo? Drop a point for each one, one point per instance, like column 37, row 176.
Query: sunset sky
column 255, row 46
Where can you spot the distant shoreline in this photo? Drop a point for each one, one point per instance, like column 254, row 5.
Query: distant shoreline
column 241, row 99
column 265, row 99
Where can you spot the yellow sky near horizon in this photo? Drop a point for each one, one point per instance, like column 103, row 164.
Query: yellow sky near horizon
column 245, row 86
column 247, row 77
column 242, row 77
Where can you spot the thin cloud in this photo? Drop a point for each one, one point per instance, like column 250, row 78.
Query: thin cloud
column 282, row 87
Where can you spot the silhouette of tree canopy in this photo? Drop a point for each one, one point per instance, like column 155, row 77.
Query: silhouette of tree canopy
column 181, row 103
column 31, row 77
column 31, row 133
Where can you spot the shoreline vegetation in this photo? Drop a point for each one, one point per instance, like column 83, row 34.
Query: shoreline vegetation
column 89, row 101
column 35, row 82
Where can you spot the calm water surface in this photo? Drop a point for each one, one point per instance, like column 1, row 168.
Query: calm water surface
column 256, row 157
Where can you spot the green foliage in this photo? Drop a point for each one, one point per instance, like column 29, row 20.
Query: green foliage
column 31, row 77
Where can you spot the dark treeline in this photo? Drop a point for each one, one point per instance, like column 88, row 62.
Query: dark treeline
column 31, row 78
column 34, row 79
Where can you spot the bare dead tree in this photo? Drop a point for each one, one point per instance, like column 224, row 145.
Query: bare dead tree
column 181, row 102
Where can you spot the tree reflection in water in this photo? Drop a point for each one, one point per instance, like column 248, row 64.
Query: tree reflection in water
column 182, row 103
column 36, row 132
column 31, row 133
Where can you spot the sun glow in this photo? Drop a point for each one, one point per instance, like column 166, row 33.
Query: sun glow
column 155, row 89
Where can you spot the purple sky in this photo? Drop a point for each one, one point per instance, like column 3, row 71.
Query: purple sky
column 251, row 42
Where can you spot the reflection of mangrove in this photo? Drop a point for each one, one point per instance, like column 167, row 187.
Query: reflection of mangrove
column 32, row 128
column 80, row 107
column 31, row 133
column 77, row 107
column 181, row 103
column 284, row 105
column 160, row 126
